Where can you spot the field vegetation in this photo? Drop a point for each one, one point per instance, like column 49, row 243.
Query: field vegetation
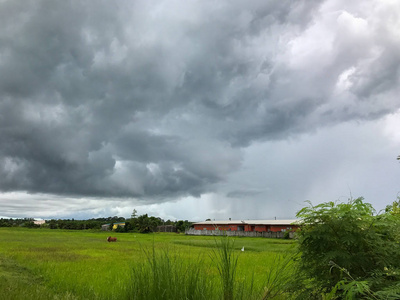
column 63, row 264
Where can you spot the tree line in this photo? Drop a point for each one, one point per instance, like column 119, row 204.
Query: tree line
column 142, row 223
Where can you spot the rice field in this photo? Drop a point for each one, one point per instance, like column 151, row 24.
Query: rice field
column 60, row 264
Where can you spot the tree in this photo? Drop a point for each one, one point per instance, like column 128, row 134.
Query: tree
column 346, row 246
column 181, row 225
column 128, row 226
column 146, row 224
column 120, row 228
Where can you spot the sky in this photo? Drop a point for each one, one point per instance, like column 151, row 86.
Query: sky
column 197, row 109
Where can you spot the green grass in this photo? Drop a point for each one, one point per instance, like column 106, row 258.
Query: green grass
column 249, row 244
column 18, row 282
column 82, row 265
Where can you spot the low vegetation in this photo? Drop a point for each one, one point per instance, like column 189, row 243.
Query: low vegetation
column 82, row 265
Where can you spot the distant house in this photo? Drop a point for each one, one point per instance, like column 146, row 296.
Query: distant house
column 39, row 222
column 249, row 225
column 106, row 227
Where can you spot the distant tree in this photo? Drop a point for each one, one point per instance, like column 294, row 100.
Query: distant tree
column 5, row 223
column 53, row 224
column 169, row 222
column 143, row 224
column 146, row 224
column 134, row 221
column 128, row 226
column 120, row 229
column 29, row 224
column 181, row 225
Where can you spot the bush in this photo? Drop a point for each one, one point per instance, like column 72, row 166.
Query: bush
column 346, row 249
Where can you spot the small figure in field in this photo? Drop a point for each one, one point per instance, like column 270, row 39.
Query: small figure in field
column 111, row 239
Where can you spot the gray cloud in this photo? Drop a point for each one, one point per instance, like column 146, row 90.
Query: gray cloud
column 246, row 194
column 157, row 100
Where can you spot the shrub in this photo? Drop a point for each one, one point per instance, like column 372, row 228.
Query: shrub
column 346, row 245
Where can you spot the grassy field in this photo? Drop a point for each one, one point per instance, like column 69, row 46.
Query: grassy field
column 57, row 264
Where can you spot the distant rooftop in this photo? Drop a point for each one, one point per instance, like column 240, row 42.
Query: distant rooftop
column 249, row 222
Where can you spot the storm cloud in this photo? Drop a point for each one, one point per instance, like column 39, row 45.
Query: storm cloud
column 159, row 100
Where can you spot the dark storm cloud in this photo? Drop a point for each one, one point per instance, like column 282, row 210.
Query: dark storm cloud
column 157, row 99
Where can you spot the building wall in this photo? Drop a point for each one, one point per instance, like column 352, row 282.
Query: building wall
column 260, row 228
column 204, row 227
column 247, row 228
column 277, row 228
column 231, row 227
column 265, row 234
column 39, row 222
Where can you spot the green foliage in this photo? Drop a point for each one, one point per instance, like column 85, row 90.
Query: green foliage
column 167, row 275
column 30, row 224
column 394, row 208
column 233, row 285
column 347, row 248
column 120, row 229
column 286, row 235
column 145, row 224
column 181, row 225
column 142, row 224
column 279, row 277
column 227, row 261
column 25, row 222
column 72, row 224
column 128, row 226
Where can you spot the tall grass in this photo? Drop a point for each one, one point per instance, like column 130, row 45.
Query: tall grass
column 279, row 277
column 166, row 276
column 226, row 261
